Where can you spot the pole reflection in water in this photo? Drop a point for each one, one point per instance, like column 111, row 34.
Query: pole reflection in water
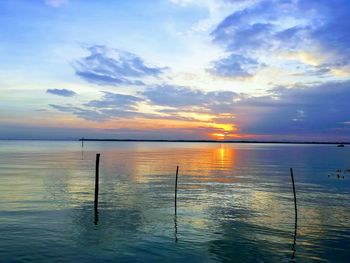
column 175, row 228
column 96, row 217
column 294, row 239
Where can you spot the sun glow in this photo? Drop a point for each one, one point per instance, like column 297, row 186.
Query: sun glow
column 224, row 127
column 309, row 58
column 219, row 136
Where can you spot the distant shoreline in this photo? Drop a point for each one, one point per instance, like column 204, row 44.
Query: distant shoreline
column 181, row 141
column 210, row 141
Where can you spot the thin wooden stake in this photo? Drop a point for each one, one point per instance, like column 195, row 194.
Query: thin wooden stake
column 97, row 181
column 82, row 148
column 295, row 218
column 295, row 196
column 177, row 172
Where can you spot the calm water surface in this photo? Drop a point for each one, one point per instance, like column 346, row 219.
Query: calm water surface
column 235, row 202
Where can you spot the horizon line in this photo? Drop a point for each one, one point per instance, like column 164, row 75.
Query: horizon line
column 213, row 141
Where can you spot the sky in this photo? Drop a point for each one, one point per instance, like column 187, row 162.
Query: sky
column 175, row 69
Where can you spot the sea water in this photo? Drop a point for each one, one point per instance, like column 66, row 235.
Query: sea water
column 234, row 202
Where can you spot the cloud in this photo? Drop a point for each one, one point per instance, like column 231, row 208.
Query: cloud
column 250, row 28
column 86, row 114
column 61, row 92
column 273, row 26
column 304, row 109
column 56, row 3
column 110, row 105
column 300, row 115
column 249, row 37
column 199, row 133
column 169, row 103
column 17, row 131
column 115, row 100
column 334, row 32
column 319, row 109
column 106, row 66
column 234, row 66
column 187, row 98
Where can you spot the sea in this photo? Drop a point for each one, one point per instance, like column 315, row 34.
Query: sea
column 235, row 202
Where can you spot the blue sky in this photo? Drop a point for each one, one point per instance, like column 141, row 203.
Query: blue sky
column 175, row 69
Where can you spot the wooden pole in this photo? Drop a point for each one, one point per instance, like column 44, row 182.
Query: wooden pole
column 97, row 167
column 295, row 196
column 177, row 172
column 296, row 216
column 82, row 148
